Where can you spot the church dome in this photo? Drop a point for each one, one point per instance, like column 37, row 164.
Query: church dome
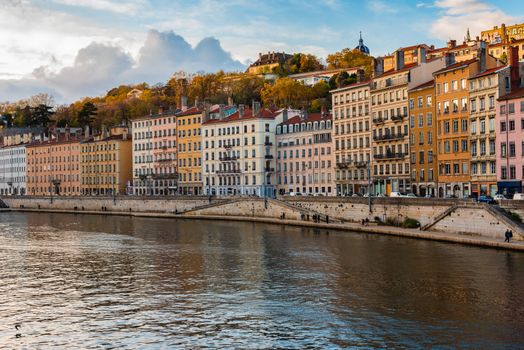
column 361, row 47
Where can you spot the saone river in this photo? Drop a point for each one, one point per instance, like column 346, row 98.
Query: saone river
column 80, row 281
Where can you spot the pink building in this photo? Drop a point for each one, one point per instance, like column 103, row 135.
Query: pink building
column 510, row 142
column 304, row 155
column 510, row 130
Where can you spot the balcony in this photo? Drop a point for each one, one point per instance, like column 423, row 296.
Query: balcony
column 228, row 171
column 268, row 156
column 165, row 176
column 398, row 118
column 389, row 137
column 344, row 164
column 268, row 144
column 390, row 156
column 378, row 120
column 361, row 164
column 228, row 158
column 269, row 170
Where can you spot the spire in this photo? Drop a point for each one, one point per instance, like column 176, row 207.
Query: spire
column 360, row 41
column 468, row 36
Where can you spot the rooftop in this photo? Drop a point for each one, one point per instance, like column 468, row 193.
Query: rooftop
column 313, row 117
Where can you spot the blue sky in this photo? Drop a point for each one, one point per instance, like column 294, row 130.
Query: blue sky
column 41, row 38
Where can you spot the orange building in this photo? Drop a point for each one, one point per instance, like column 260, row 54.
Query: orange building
column 411, row 56
column 53, row 167
column 452, row 98
column 423, row 139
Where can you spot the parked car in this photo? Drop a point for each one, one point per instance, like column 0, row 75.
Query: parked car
column 518, row 196
column 499, row 197
column 486, row 199
column 410, row 195
column 395, row 194
column 355, row 195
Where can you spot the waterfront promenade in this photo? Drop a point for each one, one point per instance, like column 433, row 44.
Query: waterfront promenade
column 441, row 220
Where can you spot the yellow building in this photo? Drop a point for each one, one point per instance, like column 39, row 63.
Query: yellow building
column 106, row 163
column 411, row 54
column 189, row 151
column 503, row 34
column 267, row 62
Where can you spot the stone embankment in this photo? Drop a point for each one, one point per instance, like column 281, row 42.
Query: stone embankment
column 462, row 221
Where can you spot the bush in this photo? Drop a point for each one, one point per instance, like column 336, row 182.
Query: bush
column 410, row 223
column 514, row 216
column 392, row 221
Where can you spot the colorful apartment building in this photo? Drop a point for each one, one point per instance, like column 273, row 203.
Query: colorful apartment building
column 155, row 155
column 352, row 138
column 53, row 167
column 189, row 148
column 239, row 152
column 13, row 170
column 452, row 98
column 484, row 90
column 423, row 139
column 305, row 156
column 106, row 163
column 389, row 107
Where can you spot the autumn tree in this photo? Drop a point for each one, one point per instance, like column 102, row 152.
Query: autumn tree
column 299, row 63
column 86, row 114
column 348, row 58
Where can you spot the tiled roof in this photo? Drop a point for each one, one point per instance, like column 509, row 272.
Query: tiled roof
column 517, row 93
column 59, row 141
column 394, row 71
column 248, row 114
column 351, row 86
column 424, row 85
column 456, row 66
column 489, row 71
column 190, row 111
column 313, row 117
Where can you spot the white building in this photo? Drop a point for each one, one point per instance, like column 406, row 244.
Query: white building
column 13, row 170
column 239, row 152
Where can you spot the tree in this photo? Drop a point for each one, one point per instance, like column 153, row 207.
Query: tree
column 348, row 58
column 299, row 63
column 86, row 114
column 246, row 89
column 41, row 115
column 286, row 92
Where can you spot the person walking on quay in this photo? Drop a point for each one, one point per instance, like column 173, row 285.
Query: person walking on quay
column 508, row 235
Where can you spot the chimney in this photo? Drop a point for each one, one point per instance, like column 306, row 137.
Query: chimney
column 284, row 115
column 449, row 59
column 255, row 108
column 183, row 103
column 221, row 112
column 513, row 61
column 230, row 101
column 323, row 110
column 504, row 34
column 196, row 101
column 482, row 56
column 160, row 110
column 86, row 132
column 378, row 66
column 452, row 44
column 399, row 60
column 361, row 75
column 241, row 110
column 421, row 55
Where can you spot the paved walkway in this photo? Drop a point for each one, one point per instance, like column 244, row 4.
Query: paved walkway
column 354, row 227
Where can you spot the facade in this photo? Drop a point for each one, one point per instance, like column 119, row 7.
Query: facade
column 304, row 155
column 389, row 106
column 155, row 155
column 352, row 138
column 53, row 167
column 484, row 89
column 106, row 163
column 13, row 170
column 189, row 147
column 503, row 34
column 423, row 139
column 411, row 55
column 267, row 62
column 239, row 152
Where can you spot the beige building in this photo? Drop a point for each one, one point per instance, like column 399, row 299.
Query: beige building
column 389, row 106
column 304, row 155
column 352, row 138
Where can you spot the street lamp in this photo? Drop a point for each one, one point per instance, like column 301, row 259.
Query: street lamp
column 54, row 185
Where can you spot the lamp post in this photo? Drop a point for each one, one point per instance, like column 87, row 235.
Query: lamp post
column 368, row 163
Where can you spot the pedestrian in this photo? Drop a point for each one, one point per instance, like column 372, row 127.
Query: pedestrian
column 507, row 236
column 510, row 235
column 327, row 219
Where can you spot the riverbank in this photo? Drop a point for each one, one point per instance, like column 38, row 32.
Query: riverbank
column 450, row 237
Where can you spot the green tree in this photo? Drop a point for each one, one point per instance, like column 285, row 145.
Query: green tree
column 86, row 114
column 41, row 115
column 348, row 58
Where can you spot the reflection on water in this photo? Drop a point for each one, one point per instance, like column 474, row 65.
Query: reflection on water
column 103, row 282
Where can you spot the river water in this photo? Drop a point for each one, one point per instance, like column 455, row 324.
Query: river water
column 81, row 281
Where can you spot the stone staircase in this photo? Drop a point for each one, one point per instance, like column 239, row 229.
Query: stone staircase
column 306, row 212
column 500, row 214
column 210, row 205
column 3, row 205
column 439, row 217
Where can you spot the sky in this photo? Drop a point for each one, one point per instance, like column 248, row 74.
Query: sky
column 77, row 48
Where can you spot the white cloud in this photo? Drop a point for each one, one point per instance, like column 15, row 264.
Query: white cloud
column 99, row 67
column 457, row 15
column 127, row 7
column 379, row 6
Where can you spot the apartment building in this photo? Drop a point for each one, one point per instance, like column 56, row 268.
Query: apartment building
column 304, row 155
column 189, row 147
column 155, row 155
column 13, row 170
column 389, row 106
column 239, row 152
column 106, row 163
column 484, row 89
column 53, row 167
column 352, row 138
column 453, row 116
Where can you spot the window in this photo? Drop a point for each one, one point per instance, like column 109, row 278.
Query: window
column 503, row 150
column 464, row 125
column 511, row 108
column 512, row 172
column 420, row 120
column 503, row 173
column 429, row 119
column 512, row 149
column 502, row 126
column 511, row 125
